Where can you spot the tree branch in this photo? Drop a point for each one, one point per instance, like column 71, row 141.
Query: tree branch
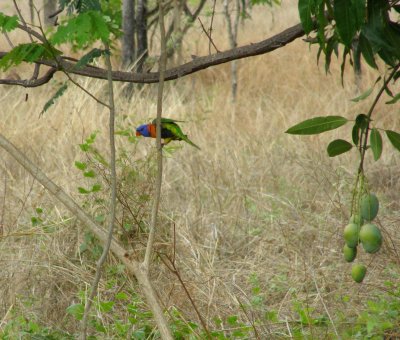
column 113, row 197
column 268, row 45
column 31, row 82
column 157, row 194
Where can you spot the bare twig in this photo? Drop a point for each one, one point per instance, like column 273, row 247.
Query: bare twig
column 113, row 196
column 31, row 82
column 208, row 36
column 157, row 194
column 22, row 19
column 173, row 268
column 210, row 29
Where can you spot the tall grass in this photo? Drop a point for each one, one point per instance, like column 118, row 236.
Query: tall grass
column 258, row 214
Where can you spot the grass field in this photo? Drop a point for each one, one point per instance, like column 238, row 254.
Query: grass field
column 258, row 214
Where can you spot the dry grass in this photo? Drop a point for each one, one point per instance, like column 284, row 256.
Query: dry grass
column 254, row 208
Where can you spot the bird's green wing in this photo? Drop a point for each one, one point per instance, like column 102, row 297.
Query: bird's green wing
column 177, row 132
column 167, row 120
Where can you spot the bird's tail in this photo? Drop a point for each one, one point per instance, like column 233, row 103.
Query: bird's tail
column 187, row 140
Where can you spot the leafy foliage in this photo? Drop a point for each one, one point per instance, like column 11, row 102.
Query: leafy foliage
column 362, row 26
column 29, row 52
column 89, row 57
column 84, row 29
column 53, row 99
column 317, row 125
column 80, row 6
column 8, row 23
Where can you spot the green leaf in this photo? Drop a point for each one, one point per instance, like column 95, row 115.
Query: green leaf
column 317, row 125
column 306, row 9
column 376, row 143
column 394, row 138
column 83, row 30
column 363, row 95
column 83, row 191
column 96, row 188
column 338, row 146
column 394, row 100
column 355, row 134
column 81, row 165
column 7, row 23
column 29, row 52
column 359, row 8
column 39, row 210
column 106, row 306
column 90, row 174
column 345, row 21
column 76, row 310
column 366, row 50
column 53, row 99
column 84, row 147
column 89, row 57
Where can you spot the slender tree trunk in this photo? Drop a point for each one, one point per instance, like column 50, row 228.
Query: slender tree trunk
column 232, row 36
column 31, row 11
column 178, row 30
column 50, row 6
column 141, row 22
column 128, row 28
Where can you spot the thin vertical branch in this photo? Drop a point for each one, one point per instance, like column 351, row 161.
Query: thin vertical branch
column 22, row 18
column 156, row 202
column 113, row 196
column 211, row 27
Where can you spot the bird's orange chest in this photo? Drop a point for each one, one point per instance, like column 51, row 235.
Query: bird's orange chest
column 152, row 130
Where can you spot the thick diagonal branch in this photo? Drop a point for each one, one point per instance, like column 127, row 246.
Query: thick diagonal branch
column 268, row 45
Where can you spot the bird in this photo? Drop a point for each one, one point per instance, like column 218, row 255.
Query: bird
column 170, row 131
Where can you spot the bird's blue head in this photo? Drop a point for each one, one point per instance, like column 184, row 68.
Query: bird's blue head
column 143, row 130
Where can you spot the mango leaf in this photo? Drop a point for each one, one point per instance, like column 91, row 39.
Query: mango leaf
column 345, row 21
column 366, row 50
column 376, row 143
column 7, row 23
column 317, row 125
column 355, row 134
column 394, row 100
column 337, row 147
column 394, row 138
column 306, row 9
column 363, row 95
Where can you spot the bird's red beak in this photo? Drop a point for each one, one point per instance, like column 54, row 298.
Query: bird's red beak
column 138, row 134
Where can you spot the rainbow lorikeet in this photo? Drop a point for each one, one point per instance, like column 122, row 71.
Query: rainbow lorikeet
column 170, row 130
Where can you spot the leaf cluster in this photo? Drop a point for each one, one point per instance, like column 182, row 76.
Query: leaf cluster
column 8, row 23
column 363, row 27
column 338, row 146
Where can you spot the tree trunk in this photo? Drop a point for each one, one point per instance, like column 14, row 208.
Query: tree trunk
column 141, row 22
column 50, row 7
column 232, row 35
column 31, row 11
column 128, row 28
